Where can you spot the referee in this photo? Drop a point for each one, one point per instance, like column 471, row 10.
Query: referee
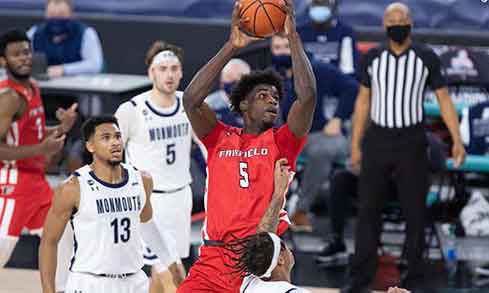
column 393, row 81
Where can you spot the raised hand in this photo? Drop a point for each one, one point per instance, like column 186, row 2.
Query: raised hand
column 281, row 176
column 53, row 143
column 289, row 26
column 67, row 118
column 238, row 37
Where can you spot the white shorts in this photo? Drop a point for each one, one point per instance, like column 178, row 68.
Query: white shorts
column 172, row 215
column 86, row 283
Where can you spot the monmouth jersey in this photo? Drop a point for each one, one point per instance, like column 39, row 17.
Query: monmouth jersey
column 398, row 83
column 157, row 140
column 106, row 225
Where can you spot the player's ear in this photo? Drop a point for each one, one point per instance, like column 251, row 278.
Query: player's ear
column 89, row 146
column 150, row 74
column 243, row 106
column 281, row 259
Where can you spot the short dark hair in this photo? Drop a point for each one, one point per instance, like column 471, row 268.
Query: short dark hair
column 249, row 81
column 160, row 46
column 12, row 36
column 251, row 255
column 89, row 126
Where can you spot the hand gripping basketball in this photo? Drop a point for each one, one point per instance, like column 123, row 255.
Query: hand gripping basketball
column 264, row 17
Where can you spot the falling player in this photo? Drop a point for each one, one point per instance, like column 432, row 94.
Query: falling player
column 26, row 144
column 241, row 161
column 158, row 137
column 105, row 203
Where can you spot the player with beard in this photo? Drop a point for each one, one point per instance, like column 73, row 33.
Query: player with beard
column 26, row 144
column 105, row 203
column 241, row 161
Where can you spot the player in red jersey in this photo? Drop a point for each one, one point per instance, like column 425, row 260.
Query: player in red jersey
column 26, row 144
column 241, row 161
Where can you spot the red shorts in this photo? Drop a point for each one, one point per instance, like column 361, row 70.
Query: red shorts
column 25, row 204
column 211, row 274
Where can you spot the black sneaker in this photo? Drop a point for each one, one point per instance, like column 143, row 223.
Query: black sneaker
column 334, row 250
column 482, row 270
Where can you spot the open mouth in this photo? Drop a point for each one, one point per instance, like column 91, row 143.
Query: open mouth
column 272, row 111
column 116, row 152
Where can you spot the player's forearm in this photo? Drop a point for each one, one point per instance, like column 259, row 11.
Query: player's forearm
column 304, row 79
column 13, row 153
column 269, row 221
column 203, row 81
column 47, row 265
column 360, row 116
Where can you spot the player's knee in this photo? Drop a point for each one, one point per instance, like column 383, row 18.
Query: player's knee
column 7, row 245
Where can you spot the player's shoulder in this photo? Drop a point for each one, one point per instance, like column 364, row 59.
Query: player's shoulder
column 70, row 185
column 8, row 94
column 139, row 99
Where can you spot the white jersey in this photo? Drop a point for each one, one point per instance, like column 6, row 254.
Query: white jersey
column 106, row 225
column 253, row 284
column 157, row 140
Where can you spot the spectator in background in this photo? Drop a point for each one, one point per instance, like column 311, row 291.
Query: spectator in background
column 326, row 144
column 327, row 39
column 219, row 100
column 70, row 46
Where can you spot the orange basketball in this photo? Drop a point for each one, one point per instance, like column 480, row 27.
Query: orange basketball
column 266, row 17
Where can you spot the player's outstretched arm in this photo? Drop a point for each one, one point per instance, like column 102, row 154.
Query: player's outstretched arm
column 271, row 218
column 66, row 200
column 12, row 107
column 147, row 212
column 302, row 111
column 202, row 118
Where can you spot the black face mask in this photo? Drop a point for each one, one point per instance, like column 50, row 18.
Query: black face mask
column 398, row 33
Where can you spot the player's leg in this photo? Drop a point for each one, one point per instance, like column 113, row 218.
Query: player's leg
column 11, row 224
column 172, row 213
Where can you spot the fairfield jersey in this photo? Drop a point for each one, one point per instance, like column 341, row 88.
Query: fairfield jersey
column 106, row 225
column 157, row 140
column 28, row 129
column 240, row 183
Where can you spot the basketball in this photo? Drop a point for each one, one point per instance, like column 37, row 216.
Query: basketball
column 266, row 17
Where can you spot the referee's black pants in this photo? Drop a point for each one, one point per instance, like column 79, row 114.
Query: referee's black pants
column 399, row 155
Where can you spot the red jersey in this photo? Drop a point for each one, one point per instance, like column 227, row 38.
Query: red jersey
column 240, row 178
column 29, row 129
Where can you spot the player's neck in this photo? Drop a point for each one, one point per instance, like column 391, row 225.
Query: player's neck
column 163, row 100
column 253, row 129
column 23, row 81
column 279, row 276
column 106, row 172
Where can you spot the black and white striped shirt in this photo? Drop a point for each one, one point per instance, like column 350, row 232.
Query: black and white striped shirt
column 398, row 83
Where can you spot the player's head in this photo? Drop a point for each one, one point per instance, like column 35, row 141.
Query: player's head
column 232, row 73
column 398, row 22
column 264, row 255
column 164, row 63
column 16, row 54
column 280, row 50
column 322, row 11
column 256, row 97
column 59, row 9
column 103, row 139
